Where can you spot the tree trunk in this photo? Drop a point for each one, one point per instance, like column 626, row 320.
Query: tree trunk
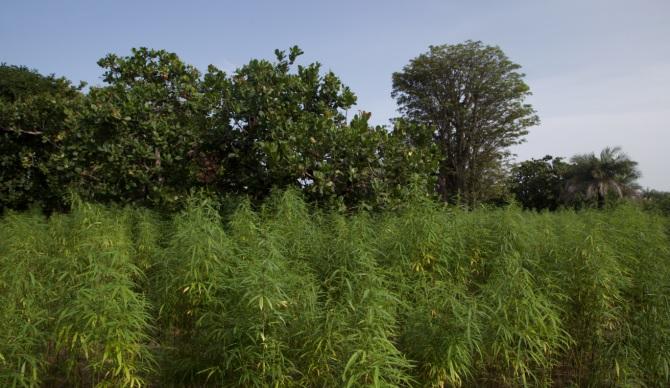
column 601, row 200
column 443, row 182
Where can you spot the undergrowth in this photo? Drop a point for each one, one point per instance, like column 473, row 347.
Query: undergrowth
column 285, row 295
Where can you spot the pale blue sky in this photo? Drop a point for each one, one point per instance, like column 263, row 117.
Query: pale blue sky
column 599, row 70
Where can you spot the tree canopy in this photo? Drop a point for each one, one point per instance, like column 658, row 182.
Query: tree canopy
column 136, row 132
column 473, row 97
column 158, row 128
column 278, row 124
column 37, row 114
column 594, row 178
column 539, row 183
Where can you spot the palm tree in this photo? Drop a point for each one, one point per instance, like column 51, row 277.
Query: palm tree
column 592, row 177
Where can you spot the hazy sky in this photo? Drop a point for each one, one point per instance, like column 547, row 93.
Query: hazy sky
column 599, row 70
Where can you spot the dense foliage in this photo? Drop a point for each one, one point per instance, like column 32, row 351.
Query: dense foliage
column 595, row 178
column 291, row 296
column 155, row 253
column 474, row 99
column 587, row 180
column 658, row 201
column 136, row 132
column 37, row 115
column 539, row 183
column 158, row 128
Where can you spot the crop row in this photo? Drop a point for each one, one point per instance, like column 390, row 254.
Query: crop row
column 285, row 295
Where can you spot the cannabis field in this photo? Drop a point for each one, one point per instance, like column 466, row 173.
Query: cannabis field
column 286, row 295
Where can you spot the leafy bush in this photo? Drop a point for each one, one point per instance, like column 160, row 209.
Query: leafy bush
column 38, row 114
column 158, row 128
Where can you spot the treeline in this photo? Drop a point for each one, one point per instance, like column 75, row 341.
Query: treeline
column 158, row 129
column 292, row 296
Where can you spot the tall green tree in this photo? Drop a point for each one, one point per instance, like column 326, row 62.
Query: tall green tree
column 595, row 178
column 538, row 183
column 473, row 97
column 37, row 114
column 137, row 131
column 277, row 124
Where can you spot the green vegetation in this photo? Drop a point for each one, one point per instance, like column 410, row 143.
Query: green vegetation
column 178, row 263
column 587, row 180
column 287, row 295
column 658, row 201
column 593, row 178
column 159, row 128
column 37, row 114
column 538, row 184
column 473, row 97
